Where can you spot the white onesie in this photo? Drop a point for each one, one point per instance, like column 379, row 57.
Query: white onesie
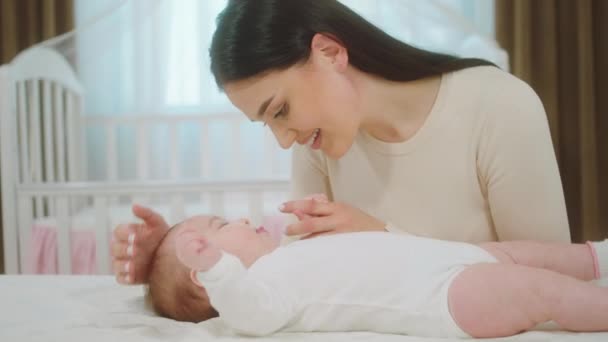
column 367, row 281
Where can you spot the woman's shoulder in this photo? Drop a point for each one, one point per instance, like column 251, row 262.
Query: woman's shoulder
column 491, row 80
column 494, row 92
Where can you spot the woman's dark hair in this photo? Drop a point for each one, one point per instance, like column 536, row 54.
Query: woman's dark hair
column 257, row 36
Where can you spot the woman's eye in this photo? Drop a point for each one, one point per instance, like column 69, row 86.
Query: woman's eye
column 281, row 112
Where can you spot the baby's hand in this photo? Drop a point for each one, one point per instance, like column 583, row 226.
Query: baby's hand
column 195, row 251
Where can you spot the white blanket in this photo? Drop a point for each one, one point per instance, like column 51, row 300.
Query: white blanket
column 95, row 308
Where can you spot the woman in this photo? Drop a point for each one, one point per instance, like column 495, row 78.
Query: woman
column 395, row 137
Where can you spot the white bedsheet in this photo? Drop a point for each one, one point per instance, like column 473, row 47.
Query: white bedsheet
column 95, row 308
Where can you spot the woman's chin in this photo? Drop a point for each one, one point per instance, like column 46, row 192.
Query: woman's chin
column 336, row 150
column 334, row 153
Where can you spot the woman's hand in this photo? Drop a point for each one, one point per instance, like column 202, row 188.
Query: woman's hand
column 318, row 216
column 133, row 245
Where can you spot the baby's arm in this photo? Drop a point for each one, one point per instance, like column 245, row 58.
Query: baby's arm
column 243, row 302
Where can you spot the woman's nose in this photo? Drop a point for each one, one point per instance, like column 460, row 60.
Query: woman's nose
column 285, row 137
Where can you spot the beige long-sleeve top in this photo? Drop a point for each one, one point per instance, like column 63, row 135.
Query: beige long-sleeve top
column 481, row 168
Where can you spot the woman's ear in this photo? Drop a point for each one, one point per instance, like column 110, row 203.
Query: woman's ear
column 329, row 50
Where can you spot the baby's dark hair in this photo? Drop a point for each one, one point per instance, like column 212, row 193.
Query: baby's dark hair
column 171, row 293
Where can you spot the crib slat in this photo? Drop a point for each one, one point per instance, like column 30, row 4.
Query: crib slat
column 217, row 203
column 71, row 137
column 141, row 151
column 47, row 120
column 25, row 232
column 35, row 152
column 269, row 154
column 59, row 134
column 235, row 157
column 205, row 156
column 256, row 207
column 81, row 137
column 173, row 151
column 102, row 247
column 177, row 211
column 23, row 136
column 111, row 153
column 63, row 236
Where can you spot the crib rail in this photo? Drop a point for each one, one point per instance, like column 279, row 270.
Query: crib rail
column 99, row 195
column 143, row 126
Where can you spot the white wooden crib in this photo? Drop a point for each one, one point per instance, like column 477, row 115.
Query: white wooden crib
column 45, row 183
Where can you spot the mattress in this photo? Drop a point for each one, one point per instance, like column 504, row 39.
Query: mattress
column 95, row 308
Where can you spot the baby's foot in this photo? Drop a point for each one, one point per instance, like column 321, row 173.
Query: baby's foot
column 195, row 251
column 134, row 244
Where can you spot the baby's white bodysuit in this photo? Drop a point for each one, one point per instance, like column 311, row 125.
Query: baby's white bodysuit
column 365, row 281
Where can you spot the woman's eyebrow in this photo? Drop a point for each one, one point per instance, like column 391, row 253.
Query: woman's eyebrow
column 264, row 107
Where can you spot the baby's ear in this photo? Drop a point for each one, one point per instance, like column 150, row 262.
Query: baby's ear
column 195, row 279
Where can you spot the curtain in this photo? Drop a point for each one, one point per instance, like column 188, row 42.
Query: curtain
column 24, row 23
column 560, row 47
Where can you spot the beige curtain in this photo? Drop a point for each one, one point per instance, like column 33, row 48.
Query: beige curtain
column 24, row 23
column 560, row 47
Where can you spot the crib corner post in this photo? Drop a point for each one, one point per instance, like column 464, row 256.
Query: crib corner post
column 8, row 171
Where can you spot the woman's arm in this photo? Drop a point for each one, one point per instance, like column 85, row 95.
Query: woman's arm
column 518, row 168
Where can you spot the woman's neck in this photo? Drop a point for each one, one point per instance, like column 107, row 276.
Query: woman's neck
column 394, row 111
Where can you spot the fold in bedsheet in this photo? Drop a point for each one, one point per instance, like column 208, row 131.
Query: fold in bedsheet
column 95, row 308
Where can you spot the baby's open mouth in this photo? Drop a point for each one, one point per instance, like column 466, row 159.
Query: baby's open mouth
column 261, row 230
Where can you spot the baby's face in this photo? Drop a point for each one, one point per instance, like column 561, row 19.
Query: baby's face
column 239, row 237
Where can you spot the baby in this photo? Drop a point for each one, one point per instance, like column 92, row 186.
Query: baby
column 372, row 281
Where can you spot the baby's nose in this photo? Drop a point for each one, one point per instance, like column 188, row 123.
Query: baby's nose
column 244, row 221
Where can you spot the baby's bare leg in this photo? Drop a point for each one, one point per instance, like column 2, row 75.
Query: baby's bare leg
column 500, row 299
column 575, row 260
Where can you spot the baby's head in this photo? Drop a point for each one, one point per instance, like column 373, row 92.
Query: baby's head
column 172, row 292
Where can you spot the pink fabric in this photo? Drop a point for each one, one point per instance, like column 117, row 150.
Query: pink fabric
column 43, row 252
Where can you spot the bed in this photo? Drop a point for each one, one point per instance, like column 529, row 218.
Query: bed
column 67, row 308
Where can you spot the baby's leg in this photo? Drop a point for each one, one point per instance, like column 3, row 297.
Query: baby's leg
column 499, row 299
column 575, row 260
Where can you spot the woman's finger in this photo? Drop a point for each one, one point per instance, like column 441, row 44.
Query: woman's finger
column 123, row 250
column 301, row 216
column 312, row 225
column 309, row 207
column 124, row 232
column 124, row 279
column 150, row 217
column 318, row 197
column 122, row 266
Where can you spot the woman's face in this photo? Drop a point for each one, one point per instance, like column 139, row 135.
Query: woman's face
column 311, row 103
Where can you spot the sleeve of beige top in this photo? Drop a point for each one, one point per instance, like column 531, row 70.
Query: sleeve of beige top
column 518, row 167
